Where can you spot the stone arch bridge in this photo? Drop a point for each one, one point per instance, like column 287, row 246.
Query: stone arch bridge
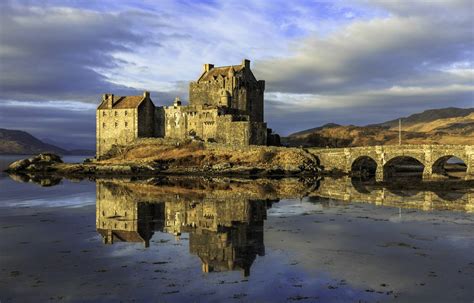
column 432, row 157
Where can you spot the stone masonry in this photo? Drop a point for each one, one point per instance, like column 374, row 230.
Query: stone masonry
column 226, row 105
column 432, row 157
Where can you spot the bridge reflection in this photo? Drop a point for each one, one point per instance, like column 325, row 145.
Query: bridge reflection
column 434, row 196
column 225, row 217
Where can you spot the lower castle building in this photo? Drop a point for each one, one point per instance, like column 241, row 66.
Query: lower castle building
column 225, row 106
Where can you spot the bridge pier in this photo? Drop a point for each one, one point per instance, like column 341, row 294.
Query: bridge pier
column 469, row 171
column 427, row 172
column 379, row 174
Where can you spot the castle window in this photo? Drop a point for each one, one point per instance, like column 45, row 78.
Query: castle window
column 126, row 124
column 103, row 125
column 116, row 113
column 104, row 113
column 116, row 124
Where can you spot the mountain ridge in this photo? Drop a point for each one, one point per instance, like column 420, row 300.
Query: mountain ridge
column 18, row 142
column 435, row 126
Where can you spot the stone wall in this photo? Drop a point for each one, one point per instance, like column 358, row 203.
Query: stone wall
column 146, row 119
column 121, row 126
column 115, row 127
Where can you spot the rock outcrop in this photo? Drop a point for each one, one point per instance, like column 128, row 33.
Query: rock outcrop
column 41, row 163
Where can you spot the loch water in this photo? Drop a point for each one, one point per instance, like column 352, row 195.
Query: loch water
column 191, row 239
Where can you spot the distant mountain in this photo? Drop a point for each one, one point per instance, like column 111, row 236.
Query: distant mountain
column 23, row 143
column 312, row 130
column 438, row 126
column 430, row 116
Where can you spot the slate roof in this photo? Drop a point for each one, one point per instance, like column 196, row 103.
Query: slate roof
column 124, row 102
column 223, row 71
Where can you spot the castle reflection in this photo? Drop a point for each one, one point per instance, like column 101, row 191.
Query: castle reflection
column 225, row 227
column 225, row 217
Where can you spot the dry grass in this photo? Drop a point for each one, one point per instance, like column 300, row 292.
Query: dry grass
column 196, row 154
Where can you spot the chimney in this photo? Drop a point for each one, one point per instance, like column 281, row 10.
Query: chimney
column 146, row 94
column 177, row 101
column 208, row 67
column 109, row 98
column 246, row 63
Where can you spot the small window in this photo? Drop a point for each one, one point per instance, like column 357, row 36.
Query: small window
column 103, row 125
column 104, row 113
column 116, row 113
column 116, row 124
column 126, row 113
column 126, row 124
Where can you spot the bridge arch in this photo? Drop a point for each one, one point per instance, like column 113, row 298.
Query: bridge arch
column 364, row 167
column 450, row 166
column 403, row 165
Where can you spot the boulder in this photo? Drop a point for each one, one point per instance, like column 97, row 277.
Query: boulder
column 19, row 165
column 41, row 162
column 50, row 158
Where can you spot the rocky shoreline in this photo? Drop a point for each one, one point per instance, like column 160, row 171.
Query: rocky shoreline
column 48, row 164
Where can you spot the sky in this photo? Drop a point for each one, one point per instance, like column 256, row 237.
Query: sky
column 348, row 62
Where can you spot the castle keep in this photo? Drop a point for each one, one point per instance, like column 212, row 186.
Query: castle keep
column 225, row 106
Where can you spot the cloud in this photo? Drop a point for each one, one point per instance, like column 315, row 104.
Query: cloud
column 372, row 54
column 412, row 58
column 54, row 52
column 356, row 62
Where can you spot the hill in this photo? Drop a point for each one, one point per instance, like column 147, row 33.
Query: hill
column 437, row 126
column 22, row 143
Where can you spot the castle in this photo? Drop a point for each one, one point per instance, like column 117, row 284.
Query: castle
column 225, row 106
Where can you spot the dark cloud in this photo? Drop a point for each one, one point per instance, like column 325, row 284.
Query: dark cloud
column 412, row 56
column 58, row 53
column 382, row 53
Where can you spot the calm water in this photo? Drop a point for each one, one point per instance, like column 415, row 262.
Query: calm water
column 215, row 240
